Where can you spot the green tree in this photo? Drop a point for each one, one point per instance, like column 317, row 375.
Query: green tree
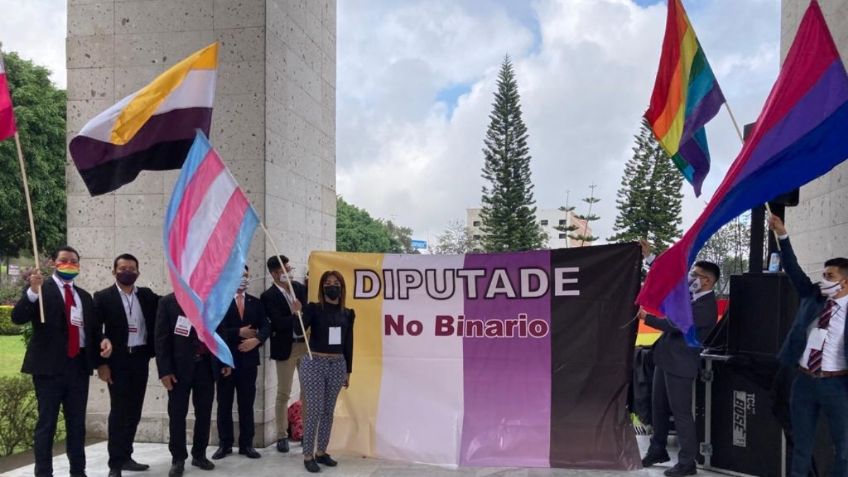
column 649, row 200
column 728, row 248
column 40, row 116
column 586, row 235
column 508, row 215
column 357, row 231
column 568, row 228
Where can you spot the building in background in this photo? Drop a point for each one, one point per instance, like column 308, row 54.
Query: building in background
column 548, row 219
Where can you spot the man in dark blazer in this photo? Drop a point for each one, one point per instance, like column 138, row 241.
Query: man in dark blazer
column 287, row 343
column 64, row 349
column 817, row 346
column 188, row 370
column 128, row 315
column 244, row 328
column 676, row 366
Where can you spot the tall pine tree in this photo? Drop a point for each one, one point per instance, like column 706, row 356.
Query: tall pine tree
column 508, row 215
column 584, row 234
column 649, row 200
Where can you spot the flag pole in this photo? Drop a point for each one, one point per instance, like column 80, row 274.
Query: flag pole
column 742, row 140
column 31, row 220
column 288, row 280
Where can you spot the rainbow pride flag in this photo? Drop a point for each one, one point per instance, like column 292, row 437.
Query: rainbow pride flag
column 208, row 229
column 686, row 96
column 801, row 134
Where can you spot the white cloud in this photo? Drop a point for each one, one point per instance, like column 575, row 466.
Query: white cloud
column 35, row 29
column 583, row 87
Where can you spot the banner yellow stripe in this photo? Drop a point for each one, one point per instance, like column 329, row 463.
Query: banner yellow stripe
column 148, row 99
column 354, row 426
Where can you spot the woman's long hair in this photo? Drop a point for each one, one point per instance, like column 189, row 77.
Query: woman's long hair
column 341, row 280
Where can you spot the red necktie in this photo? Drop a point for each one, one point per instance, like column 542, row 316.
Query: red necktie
column 814, row 364
column 73, row 331
column 240, row 305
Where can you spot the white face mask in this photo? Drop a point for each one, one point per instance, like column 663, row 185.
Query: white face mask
column 694, row 285
column 829, row 288
column 245, row 282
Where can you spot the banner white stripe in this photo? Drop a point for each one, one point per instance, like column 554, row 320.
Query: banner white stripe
column 205, row 220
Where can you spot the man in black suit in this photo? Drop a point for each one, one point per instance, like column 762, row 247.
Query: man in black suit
column 676, row 367
column 244, row 328
column 64, row 349
column 287, row 343
column 128, row 314
column 187, row 370
column 817, row 346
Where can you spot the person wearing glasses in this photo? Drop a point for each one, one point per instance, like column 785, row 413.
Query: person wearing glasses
column 65, row 347
column 676, row 367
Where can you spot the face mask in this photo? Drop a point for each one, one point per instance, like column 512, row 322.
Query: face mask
column 126, row 278
column 67, row 271
column 829, row 288
column 332, row 292
column 695, row 285
column 244, row 284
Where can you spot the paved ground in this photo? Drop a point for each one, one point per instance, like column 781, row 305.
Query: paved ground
column 275, row 464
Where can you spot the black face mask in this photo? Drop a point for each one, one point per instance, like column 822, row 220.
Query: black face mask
column 126, row 278
column 332, row 292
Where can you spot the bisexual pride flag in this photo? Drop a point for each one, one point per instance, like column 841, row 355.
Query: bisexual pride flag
column 801, row 134
column 506, row 359
column 208, row 229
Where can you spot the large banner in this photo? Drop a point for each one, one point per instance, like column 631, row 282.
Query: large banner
column 508, row 359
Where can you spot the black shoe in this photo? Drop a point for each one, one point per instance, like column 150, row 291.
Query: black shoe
column 134, row 466
column 311, row 466
column 283, row 445
column 202, row 463
column 79, row 475
column 222, row 452
column 177, row 468
column 655, row 457
column 114, row 472
column 326, row 460
column 250, row 452
column 680, row 470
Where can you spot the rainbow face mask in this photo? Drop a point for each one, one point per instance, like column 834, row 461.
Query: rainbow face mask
column 67, row 271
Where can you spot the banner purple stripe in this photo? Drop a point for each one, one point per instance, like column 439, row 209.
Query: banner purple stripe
column 825, row 97
column 176, row 125
column 703, row 112
column 507, row 381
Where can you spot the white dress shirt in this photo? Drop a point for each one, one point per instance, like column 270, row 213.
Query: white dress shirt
column 833, row 352
column 136, row 326
column 33, row 297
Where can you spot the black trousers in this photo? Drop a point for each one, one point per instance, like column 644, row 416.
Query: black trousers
column 126, row 396
column 70, row 391
column 672, row 395
column 200, row 387
column 242, row 382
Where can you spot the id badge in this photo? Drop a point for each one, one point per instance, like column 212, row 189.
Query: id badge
column 133, row 329
column 817, row 337
column 76, row 317
column 183, row 327
column 335, row 337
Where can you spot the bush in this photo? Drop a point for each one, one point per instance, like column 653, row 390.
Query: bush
column 10, row 292
column 6, row 325
column 18, row 414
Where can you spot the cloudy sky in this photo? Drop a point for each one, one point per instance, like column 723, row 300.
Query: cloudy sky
column 416, row 80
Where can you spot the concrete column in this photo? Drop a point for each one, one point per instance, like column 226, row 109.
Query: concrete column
column 273, row 124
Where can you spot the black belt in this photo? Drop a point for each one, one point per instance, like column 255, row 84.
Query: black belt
column 299, row 340
column 136, row 349
column 824, row 374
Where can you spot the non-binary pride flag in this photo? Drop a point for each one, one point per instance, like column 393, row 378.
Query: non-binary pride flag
column 496, row 360
column 151, row 129
column 7, row 114
column 686, row 96
column 208, row 230
column 801, row 134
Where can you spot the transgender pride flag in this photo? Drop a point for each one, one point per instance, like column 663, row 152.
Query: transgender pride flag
column 208, row 230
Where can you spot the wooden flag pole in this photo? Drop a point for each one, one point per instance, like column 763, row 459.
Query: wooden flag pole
column 31, row 220
column 288, row 280
column 742, row 140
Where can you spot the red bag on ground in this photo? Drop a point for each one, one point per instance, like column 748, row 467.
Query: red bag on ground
column 295, row 422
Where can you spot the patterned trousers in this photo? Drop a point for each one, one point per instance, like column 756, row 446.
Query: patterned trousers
column 321, row 380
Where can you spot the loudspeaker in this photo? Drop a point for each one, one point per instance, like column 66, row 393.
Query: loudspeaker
column 762, row 307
